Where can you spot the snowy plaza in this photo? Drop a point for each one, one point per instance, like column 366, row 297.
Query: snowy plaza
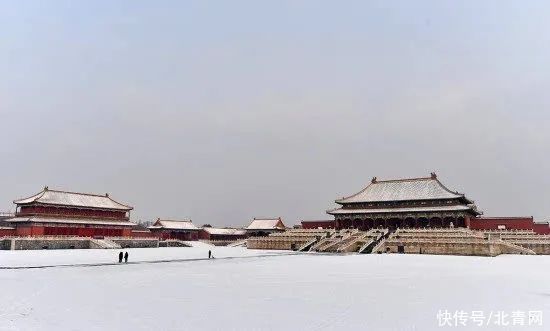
column 179, row 289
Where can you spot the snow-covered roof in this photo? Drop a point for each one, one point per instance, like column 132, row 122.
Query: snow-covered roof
column 399, row 210
column 266, row 224
column 174, row 225
column 225, row 231
column 140, row 228
column 68, row 221
column 428, row 188
column 73, row 199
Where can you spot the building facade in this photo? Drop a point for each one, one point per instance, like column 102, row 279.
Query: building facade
column 175, row 229
column 223, row 234
column 265, row 226
column 62, row 213
column 412, row 202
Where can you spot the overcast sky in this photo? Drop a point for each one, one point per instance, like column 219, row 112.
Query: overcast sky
column 223, row 111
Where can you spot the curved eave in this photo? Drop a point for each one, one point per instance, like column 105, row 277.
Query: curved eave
column 342, row 201
column 124, row 207
column 28, row 200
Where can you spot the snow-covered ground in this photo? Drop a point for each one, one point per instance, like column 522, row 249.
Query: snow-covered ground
column 102, row 256
column 266, row 292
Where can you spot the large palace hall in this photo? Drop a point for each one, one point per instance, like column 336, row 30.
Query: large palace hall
column 413, row 202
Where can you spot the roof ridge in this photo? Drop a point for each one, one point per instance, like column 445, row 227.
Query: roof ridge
column 106, row 195
column 169, row 220
column 215, row 227
column 403, row 180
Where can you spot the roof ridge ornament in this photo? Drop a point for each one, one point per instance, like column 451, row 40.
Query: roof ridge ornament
column 46, row 188
column 433, row 175
column 374, row 180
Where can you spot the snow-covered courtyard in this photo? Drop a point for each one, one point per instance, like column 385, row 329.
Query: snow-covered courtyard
column 267, row 290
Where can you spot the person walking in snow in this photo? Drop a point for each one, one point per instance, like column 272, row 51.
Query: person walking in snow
column 120, row 257
column 209, row 254
column 126, row 257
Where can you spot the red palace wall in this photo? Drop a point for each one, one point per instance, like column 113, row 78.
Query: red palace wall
column 318, row 224
column 24, row 231
column 7, row 232
column 126, row 232
column 142, row 234
column 510, row 223
column 541, row 228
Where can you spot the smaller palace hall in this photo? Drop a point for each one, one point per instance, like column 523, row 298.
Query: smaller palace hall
column 52, row 212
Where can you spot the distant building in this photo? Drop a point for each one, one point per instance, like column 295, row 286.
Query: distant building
column 225, row 234
column 5, row 227
column 265, row 226
column 175, row 229
column 62, row 213
column 414, row 202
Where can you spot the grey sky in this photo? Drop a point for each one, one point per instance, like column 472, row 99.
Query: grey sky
column 223, row 112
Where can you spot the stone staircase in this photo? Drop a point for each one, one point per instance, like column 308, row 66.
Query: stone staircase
column 104, row 243
column 509, row 248
column 240, row 243
column 340, row 241
column 307, row 245
column 379, row 242
column 367, row 247
column 378, row 246
column 352, row 244
column 348, row 241
column 321, row 243
column 328, row 244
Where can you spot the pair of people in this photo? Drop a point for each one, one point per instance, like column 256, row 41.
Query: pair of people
column 120, row 256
